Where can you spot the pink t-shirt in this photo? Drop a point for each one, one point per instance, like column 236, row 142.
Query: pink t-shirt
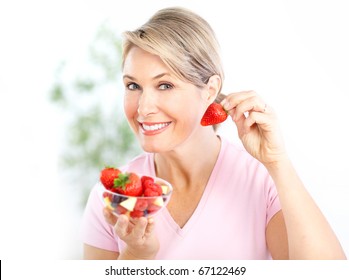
column 229, row 222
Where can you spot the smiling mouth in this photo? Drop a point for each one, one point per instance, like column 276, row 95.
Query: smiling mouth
column 154, row 127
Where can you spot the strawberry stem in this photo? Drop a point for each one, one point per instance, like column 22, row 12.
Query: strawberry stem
column 121, row 181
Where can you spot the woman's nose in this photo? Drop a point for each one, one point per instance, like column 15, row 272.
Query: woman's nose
column 147, row 104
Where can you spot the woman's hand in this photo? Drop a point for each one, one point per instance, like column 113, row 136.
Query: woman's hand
column 257, row 126
column 309, row 235
column 138, row 234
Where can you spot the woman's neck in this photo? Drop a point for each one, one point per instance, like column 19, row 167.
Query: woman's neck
column 191, row 163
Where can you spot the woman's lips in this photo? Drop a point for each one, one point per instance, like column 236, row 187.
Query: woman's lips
column 153, row 128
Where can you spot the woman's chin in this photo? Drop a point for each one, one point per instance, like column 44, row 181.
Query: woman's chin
column 152, row 149
column 155, row 146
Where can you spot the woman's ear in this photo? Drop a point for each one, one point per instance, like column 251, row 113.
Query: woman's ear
column 213, row 86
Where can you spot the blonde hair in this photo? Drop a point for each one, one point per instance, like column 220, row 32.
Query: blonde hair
column 183, row 40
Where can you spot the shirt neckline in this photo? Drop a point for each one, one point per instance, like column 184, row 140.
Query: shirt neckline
column 165, row 214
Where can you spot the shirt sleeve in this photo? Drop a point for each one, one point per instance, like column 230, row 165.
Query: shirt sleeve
column 95, row 231
column 272, row 197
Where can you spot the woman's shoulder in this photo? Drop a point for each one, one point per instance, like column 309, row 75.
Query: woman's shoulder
column 241, row 170
column 235, row 156
column 234, row 150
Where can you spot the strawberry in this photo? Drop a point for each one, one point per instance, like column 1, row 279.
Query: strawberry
column 141, row 204
column 107, row 194
column 108, row 175
column 128, row 184
column 136, row 214
column 214, row 114
column 146, row 181
column 153, row 208
column 120, row 210
column 153, row 190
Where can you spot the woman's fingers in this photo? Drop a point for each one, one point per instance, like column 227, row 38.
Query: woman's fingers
column 255, row 118
column 234, row 99
column 257, row 125
column 121, row 227
column 109, row 216
column 133, row 230
column 237, row 104
column 137, row 233
column 139, row 228
column 252, row 104
column 243, row 106
column 150, row 227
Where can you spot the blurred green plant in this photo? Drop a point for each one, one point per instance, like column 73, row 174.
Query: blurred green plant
column 89, row 96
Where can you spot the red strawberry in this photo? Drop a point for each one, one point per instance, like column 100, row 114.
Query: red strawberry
column 137, row 214
column 214, row 114
column 109, row 195
column 128, row 184
column 108, row 175
column 146, row 181
column 153, row 208
column 120, row 210
column 141, row 204
column 153, row 190
column 146, row 178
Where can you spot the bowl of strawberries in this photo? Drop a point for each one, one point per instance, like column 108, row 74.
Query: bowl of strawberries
column 133, row 194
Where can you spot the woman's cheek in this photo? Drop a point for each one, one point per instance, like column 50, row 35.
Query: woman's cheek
column 131, row 108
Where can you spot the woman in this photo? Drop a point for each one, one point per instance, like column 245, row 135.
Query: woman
column 227, row 202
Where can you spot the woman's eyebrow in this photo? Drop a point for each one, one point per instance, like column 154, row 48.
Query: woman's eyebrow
column 126, row 76
column 161, row 75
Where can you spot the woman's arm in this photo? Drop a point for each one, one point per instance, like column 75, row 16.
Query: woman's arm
column 94, row 253
column 276, row 236
column 309, row 234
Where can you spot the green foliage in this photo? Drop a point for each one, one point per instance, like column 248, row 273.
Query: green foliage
column 97, row 133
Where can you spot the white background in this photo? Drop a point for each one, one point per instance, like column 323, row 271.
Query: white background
column 294, row 53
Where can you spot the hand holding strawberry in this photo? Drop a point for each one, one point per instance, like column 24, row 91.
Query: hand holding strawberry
column 138, row 234
column 257, row 126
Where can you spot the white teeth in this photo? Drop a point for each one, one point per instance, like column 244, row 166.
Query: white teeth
column 154, row 127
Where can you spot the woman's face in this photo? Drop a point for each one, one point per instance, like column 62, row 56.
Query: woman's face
column 163, row 111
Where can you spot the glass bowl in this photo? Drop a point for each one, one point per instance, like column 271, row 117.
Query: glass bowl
column 138, row 206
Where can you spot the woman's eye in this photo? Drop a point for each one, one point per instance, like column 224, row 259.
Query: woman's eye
column 132, row 86
column 165, row 86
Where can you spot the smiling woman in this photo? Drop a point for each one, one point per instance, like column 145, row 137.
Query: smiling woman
column 292, row 52
column 149, row 103
column 172, row 73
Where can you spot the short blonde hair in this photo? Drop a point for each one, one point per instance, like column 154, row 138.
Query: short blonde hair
column 183, row 40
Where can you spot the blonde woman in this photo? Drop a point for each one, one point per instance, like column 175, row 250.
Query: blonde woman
column 227, row 202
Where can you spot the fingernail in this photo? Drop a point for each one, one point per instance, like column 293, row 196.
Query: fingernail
column 223, row 102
